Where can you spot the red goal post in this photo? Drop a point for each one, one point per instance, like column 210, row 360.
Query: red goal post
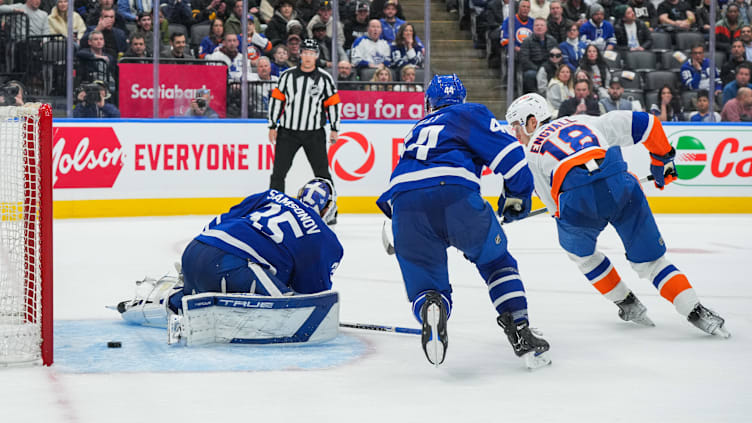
column 26, row 235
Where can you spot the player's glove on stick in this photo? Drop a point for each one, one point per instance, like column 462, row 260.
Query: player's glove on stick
column 513, row 208
column 662, row 168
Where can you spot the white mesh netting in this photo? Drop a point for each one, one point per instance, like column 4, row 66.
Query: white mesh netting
column 20, row 281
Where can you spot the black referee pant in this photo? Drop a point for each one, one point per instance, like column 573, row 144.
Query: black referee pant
column 288, row 143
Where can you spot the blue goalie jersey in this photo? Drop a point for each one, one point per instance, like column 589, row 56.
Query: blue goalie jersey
column 281, row 234
column 451, row 146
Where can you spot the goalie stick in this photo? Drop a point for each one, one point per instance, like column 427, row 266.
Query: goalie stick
column 380, row 328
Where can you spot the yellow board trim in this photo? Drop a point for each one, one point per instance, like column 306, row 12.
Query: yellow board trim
column 211, row 206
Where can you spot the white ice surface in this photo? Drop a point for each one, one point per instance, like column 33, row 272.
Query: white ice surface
column 604, row 370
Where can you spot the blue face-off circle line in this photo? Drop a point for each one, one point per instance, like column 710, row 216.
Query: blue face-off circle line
column 81, row 347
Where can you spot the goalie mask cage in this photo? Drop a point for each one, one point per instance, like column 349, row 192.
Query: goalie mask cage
column 26, row 235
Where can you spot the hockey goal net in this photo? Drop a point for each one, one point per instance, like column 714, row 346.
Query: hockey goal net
column 25, row 235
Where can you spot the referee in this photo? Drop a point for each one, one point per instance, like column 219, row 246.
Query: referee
column 297, row 116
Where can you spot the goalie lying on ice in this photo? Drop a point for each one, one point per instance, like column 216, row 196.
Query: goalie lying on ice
column 260, row 273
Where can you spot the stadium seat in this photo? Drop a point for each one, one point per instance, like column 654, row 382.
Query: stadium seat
column 366, row 74
column 629, row 80
column 656, row 80
column 53, row 64
column 640, row 61
column 688, row 99
column 173, row 28
column 198, row 32
column 631, row 94
column 651, row 97
column 613, row 63
column 685, row 40
column 720, row 58
column 661, row 41
column 669, row 62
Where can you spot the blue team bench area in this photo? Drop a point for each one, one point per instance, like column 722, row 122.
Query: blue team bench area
column 81, row 347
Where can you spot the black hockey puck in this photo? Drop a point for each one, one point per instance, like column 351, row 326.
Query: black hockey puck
column 114, row 344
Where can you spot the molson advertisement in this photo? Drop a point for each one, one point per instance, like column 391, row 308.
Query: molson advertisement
column 167, row 167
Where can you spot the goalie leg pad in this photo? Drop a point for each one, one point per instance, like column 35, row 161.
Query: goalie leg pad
column 254, row 319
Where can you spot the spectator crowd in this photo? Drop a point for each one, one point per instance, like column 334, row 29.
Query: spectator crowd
column 591, row 57
column 373, row 39
column 584, row 56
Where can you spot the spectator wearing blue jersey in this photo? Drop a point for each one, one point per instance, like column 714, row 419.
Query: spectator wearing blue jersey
column 573, row 48
column 280, row 54
column 695, row 72
column 434, row 202
column 214, row 40
column 597, row 30
column 742, row 78
column 407, row 48
column 390, row 23
column 523, row 26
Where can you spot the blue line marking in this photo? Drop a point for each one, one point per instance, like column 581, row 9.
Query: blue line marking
column 81, row 347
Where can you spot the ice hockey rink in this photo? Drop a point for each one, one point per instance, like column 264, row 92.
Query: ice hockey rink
column 604, row 370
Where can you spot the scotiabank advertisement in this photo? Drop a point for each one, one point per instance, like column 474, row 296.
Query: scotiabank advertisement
column 177, row 87
column 232, row 159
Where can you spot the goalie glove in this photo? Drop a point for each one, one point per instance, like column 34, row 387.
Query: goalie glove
column 663, row 169
column 513, row 208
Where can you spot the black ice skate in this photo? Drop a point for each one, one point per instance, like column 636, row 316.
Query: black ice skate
column 525, row 342
column 708, row 321
column 632, row 310
column 434, row 337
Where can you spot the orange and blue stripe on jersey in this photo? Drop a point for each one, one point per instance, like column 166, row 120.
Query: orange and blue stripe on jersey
column 648, row 129
column 579, row 158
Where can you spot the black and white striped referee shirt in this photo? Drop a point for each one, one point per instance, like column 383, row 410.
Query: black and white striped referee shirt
column 301, row 99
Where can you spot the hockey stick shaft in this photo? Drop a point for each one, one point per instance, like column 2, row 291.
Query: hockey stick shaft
column 380, row 328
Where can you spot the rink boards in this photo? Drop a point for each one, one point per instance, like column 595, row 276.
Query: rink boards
column 132, row 167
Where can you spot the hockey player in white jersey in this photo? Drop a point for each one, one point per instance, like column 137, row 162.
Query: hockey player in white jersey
column 582, row 179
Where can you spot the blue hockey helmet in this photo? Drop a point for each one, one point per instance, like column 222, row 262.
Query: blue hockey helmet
column 319, row 194
column 445, row 90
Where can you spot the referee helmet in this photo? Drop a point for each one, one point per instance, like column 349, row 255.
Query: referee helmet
column 310, row 44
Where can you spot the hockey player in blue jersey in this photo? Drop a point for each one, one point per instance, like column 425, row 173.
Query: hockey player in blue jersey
column 580, row 175
column 434, row 202
column 269, row 244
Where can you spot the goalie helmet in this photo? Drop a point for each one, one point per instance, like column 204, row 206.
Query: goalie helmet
column 319, row 194
column 445, row 90
column 525, row 106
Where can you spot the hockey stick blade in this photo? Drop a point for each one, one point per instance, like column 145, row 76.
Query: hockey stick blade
column 380, row 328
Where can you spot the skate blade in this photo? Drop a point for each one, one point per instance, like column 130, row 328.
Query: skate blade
column 722, row 332
column 644, row 321
column 534, row 362
column 434, row 348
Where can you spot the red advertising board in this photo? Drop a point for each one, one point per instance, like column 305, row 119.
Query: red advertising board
column 177, row 86
column 385, row 105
